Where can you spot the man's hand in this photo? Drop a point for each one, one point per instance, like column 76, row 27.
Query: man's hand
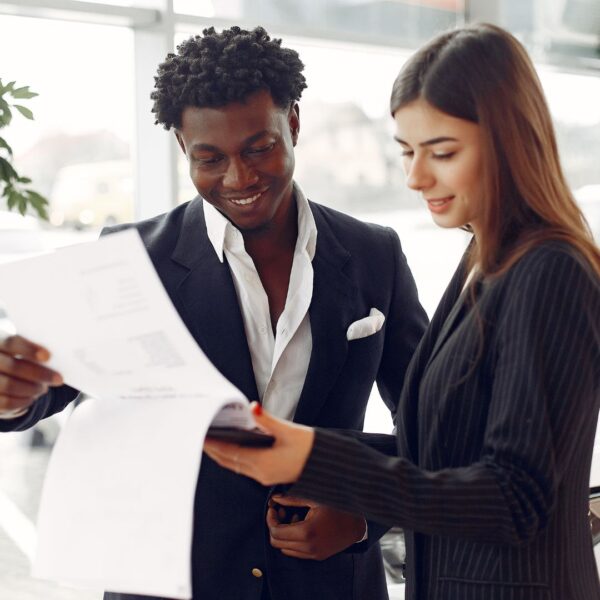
column 23, row 377
column 324, row 531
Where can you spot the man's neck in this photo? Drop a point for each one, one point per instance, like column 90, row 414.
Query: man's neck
column 267, row 244
column 272, row 251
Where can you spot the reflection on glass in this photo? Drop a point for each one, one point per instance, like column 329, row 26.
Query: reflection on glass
column 404, row 23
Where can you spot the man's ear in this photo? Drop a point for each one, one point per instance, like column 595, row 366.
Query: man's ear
column 180, row 141
column 294, row 122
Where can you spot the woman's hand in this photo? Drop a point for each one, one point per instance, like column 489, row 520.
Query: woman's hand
column 281, row 463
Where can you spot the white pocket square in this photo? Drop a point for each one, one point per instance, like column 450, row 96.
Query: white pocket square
column 367, row 326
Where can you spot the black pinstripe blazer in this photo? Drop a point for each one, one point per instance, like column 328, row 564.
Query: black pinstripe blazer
column 491, row 482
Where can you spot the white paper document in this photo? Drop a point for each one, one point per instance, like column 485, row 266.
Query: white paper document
column 117, row 505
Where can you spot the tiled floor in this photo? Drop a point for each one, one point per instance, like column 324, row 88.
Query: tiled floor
column 22, row 467
column 22, row 470
column 21, row 474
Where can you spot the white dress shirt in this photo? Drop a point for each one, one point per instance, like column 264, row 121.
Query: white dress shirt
column 280, row 360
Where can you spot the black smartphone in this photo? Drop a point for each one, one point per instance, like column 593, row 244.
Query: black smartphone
column 242, row 437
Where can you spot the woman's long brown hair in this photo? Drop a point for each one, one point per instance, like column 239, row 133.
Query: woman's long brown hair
column 483, row 74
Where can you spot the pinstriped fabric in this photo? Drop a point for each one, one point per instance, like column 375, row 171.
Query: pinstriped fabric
column 492, row 474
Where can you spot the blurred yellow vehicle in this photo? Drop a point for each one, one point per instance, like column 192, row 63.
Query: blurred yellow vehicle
column 93, row 194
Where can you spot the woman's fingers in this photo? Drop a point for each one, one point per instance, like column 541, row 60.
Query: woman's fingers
column 281, row 463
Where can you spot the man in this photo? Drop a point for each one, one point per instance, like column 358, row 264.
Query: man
column 269, row 285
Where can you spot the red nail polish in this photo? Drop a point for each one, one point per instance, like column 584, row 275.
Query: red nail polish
column 257, row 409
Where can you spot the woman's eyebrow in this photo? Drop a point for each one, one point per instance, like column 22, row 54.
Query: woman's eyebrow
column 430, row 142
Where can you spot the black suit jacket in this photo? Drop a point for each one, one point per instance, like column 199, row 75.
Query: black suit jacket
column 495, row 437
column 356, row 267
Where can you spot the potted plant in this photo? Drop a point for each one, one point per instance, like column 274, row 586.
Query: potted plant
column 13, row 187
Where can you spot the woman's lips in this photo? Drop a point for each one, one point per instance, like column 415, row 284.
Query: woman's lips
column 439, row 205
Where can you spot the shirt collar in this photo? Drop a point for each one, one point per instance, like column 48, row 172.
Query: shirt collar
column 220, row 230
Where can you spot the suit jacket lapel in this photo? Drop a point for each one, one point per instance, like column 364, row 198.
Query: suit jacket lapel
column 331, row 312
column 208, row 303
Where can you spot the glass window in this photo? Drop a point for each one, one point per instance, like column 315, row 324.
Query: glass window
column 77, row 151
column 574, row 101
column 403, row 23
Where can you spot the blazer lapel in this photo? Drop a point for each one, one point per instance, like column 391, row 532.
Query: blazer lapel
column 452, row 305
column 331, row 311
column 208, row 303
column 450, row 323
column 440, row 327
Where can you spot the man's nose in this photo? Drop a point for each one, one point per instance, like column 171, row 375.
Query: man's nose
column 239, row 175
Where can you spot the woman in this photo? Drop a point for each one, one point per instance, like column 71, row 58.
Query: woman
column 496, row 422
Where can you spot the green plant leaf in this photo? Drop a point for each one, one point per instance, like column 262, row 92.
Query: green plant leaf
column 38, row 203
column 36, row 198
column 5, row 113
column 23, row 92
column 24, row 111
column 10, row 181
column 13, row 198
column 4, row 145
column 6, row 88
column 7, row 172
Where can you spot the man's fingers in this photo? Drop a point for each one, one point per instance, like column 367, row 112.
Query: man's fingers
column 28, row 371
column 22, row 378
column 12, row 403
column 296, row 554
column 292, row 501
column 296, row 546
column 296, row 549
column 19, row 346
column 273, row 518
column 300, row 531
column 18, row 388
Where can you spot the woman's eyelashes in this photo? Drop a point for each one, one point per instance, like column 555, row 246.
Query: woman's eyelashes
column 443, row 155
column 435, row 155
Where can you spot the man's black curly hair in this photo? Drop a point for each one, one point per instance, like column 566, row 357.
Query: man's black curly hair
column 214, row 69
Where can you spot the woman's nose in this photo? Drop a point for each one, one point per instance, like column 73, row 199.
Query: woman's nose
column 418, row 176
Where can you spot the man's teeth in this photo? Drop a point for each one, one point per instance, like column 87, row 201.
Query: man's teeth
column 243, row 201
